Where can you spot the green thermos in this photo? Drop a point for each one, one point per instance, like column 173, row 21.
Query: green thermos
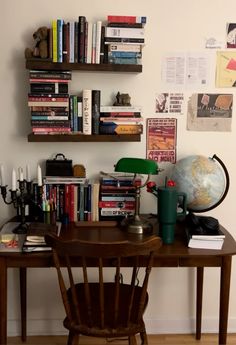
column 168, row 200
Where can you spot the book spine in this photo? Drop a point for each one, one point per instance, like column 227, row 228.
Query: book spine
column 49, row 88
column 116, row 212
column 129, row 205
column 124, row 48
column 87, row 112
column 98, row 41
column 125, row 25
column 116, row 54
column 48, row 80
column 123, row 114
column 89, row 42
column 48, row 104
column 54, row 41
column 75, row 113
column 50, row 75
column 94, row 43
column 120, row 129
column 120, row 122
column 102, row 45
column 72, row 42
column 124, row 32
column 35, row 117
column 80, row 114
column 123, row 60
column 50, row 129
column 50, row 123
column 81, row 57
column 47, row 99
column 65, row 41
column 59, row 40
column 96, row 96
column 76, row 41
column 126, row 19
column 120, row 109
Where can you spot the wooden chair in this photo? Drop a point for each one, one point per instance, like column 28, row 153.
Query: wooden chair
column 107, row 309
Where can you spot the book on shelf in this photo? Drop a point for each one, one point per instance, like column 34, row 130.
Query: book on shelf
column 125, row 25
column 124, row 32
column 48, row 103
column 96, row 96
column 81, row 35
column 98, row 41
column 57, row 75
column 112, row 128
column 72, row 42
column 63, row 179
column 47, row 130
column 126, row 19
column 59, row 40
column 109, row 40
column 120, row 109
column 49, row 87
column 137, row 48
column 65, row 42
column 87, row 112
column 54, row 41
column 48, row 118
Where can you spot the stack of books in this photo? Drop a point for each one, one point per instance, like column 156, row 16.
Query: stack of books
column 124, row 38
column 120, row 120
column 48, row 100
column 117, row 195
column 204, row 233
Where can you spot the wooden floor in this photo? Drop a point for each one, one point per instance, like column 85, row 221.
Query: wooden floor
column 186, row 339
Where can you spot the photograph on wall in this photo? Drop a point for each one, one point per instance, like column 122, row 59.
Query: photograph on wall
column 210, row 112
column 231, row 35
column 226, row 69
column 171, row 102
column 161, row 139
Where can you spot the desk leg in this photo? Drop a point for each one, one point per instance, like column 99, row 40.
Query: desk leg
column 3, row 301
column 23, row 287
column 200, row 274
column 224, row 298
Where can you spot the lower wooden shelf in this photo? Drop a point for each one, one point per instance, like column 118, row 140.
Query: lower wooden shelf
column 83, row 138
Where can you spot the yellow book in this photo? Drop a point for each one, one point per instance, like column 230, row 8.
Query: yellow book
column 54, row 41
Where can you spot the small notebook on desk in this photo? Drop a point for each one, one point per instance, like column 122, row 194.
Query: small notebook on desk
column 35, row 241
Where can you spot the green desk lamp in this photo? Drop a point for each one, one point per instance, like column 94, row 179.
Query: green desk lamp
column 135, row 224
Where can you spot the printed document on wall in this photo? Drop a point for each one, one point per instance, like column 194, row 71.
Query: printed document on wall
column 185, row 70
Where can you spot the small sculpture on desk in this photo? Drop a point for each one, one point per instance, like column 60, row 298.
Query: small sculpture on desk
column 122, row 99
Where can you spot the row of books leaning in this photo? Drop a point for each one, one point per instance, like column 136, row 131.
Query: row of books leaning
column 111, row 198
column 55, row 111
column 117, row 40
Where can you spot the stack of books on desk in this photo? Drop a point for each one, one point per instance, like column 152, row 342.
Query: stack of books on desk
column 199, row 236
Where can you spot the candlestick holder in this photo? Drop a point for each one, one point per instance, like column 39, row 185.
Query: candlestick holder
column 20, row 198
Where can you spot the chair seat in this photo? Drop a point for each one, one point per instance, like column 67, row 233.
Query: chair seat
column 91, row 324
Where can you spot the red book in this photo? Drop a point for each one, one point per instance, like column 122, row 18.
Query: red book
column 126, row 19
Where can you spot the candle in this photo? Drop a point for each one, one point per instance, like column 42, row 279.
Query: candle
column 13, row 180
column 2, row 175
column 39, row 176
column 20, row 170
column 28, row 177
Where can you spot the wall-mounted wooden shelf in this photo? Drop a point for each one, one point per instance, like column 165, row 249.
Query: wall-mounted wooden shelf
column 83, row 138
column 40, row 64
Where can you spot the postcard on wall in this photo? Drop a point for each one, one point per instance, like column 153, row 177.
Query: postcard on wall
column 185, row 69
column 210, row 112
column 226, row 69
column 169, row 103
column 231, row 35
column 161, row 139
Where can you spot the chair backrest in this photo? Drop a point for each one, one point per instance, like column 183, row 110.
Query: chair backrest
column 118, row 304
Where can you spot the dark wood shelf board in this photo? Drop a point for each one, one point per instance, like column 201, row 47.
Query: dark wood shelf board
column 83, row 138
column 39, row 64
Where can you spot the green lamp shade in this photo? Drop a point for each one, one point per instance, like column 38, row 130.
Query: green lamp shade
column 137, row 166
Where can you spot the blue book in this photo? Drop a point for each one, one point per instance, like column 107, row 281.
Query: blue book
column 59, row 40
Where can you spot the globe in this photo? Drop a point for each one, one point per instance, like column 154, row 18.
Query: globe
column 204, row 180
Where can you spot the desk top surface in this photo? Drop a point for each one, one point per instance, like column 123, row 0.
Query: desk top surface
column 114, row 233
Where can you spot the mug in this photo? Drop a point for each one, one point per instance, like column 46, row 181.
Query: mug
column 168, row 200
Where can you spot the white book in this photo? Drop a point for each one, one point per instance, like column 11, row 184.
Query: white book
column 72, row 42
column 87, row 112
column 137, row 48
column 93, row 58
column 124, row 32
column 89, row 42
column 120, row 109
column 206, row 244
column 98, row 40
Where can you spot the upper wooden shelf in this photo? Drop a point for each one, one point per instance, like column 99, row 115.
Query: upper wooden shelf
column 83, row 138
column 39, row 64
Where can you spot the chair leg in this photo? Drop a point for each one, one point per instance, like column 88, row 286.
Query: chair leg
column 143, row 336
column 73, row 338
column 132, row 340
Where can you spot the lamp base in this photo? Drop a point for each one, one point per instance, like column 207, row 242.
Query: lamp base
column 137, row 225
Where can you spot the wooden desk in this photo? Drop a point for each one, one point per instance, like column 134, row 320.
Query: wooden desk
column 175, row 255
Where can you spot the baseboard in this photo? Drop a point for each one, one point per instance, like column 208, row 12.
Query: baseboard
column 183, row 326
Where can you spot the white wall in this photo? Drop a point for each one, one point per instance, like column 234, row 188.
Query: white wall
column 172, row 26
